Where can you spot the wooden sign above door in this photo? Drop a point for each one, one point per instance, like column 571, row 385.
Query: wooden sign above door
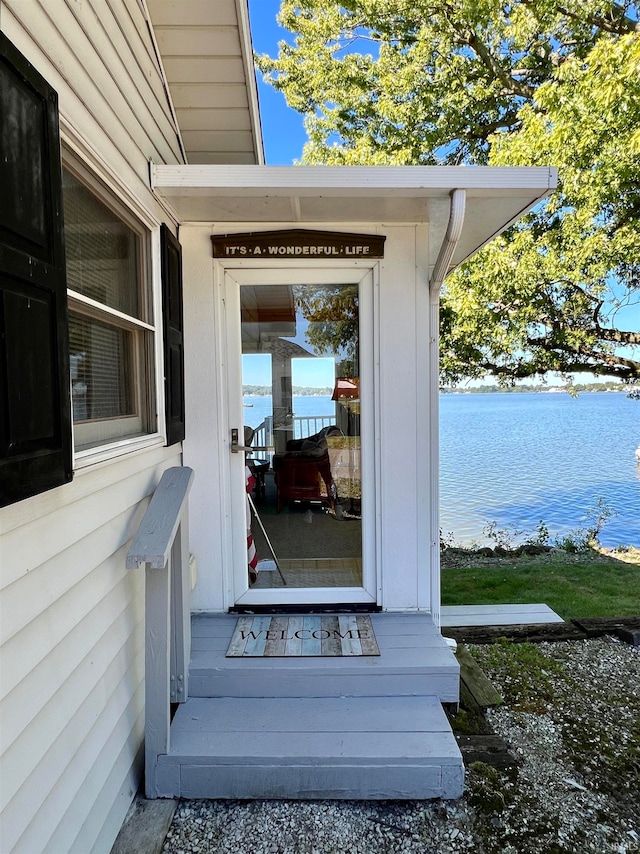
column 296, row 243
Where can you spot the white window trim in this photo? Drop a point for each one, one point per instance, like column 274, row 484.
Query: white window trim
column 75, row 152
column 117, row 448
column 99, row 310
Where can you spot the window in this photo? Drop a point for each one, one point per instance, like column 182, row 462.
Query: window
column 110, row 337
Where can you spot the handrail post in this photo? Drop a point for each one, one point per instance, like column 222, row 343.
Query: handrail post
column 180, row 614
column 157, row 656
column 162, row 545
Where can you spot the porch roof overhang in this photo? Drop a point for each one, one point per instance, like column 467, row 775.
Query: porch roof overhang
column 238, row 197
column 207, row 61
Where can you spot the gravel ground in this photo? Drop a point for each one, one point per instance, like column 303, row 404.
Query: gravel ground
column 571, row 714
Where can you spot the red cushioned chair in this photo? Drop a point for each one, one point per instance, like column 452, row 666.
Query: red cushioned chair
column 303, row 473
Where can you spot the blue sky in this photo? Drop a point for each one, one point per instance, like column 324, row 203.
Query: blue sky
column 315, row 373
column 282, row 128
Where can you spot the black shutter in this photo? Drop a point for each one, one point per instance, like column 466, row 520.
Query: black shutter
column 35, row 405
column 173, row 335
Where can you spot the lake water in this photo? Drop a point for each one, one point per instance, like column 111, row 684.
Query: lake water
column 516, row 459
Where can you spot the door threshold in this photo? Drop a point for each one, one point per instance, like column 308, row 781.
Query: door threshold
column 338, row 608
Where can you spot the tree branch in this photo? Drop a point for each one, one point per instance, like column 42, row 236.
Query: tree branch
column 618, row 23
column 622, row 26
column 510, row 83
column 618, row 336
column 524, row 370
column 606, row 363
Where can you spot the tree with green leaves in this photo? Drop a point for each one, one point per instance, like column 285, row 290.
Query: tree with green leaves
column 332, row 315
column 526, row 82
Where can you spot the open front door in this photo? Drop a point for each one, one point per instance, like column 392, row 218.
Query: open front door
column 301, row 398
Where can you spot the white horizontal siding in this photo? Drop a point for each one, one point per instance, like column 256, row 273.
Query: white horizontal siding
column 104, row 502
column 51, row 738
column 72, row 617
column 99, row 57
column 86, row 628
column 73, row 658
column 65, row 805
column 113, row 800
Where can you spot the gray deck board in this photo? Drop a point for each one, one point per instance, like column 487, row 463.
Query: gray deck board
column 222, row 625
column 417, row 641
column 300, row 749
column 313, row 782
column 307, row 684
column 497, row 615
column 392, row 660
column 414, row 660
column 284, row 715
column 393, row 747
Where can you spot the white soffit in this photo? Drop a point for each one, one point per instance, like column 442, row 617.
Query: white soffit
column 206, row 52
column 358, row 195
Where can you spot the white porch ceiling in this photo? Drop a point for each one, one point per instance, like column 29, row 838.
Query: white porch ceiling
column 362, row 196
column 205, row 47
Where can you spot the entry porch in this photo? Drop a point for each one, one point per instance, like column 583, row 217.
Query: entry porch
column 342, row 726
column 345, row 727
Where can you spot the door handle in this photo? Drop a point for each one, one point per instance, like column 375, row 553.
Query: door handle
column 235, row 447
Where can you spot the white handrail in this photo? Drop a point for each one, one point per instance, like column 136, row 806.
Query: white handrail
column 302, row 425
column 162, row 545
column 263, row 436
column 309, row 425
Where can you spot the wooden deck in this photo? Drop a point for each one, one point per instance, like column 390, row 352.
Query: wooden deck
column 497, row 615
column 356, row 727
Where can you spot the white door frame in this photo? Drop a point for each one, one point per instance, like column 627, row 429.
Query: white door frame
column 231, row 275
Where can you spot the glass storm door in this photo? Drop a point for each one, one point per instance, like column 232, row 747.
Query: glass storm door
column 302, row 426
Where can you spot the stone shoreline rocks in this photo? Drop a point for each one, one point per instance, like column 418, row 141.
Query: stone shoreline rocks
column 455, row 557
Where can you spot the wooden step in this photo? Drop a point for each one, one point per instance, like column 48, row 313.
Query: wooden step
column 414, row 660
column 311, row 748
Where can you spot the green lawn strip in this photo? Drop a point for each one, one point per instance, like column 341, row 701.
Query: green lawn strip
column 573, row 589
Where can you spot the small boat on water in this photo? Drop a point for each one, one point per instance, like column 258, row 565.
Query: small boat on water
column 638, row 453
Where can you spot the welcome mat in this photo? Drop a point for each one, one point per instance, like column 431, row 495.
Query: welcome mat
column 308, row 635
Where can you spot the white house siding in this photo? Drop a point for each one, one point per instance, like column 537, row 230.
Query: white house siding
column 406, row 490
column 73, row 657
column 99, row 57
column 71, row 630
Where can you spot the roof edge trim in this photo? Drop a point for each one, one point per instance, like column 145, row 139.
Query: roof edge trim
column 335, row 178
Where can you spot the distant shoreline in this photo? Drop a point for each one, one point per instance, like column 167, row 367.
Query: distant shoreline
column 578, row 388
column 582, row 388
column 298, row 391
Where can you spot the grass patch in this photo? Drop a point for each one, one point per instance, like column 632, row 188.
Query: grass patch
column 574, row 586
